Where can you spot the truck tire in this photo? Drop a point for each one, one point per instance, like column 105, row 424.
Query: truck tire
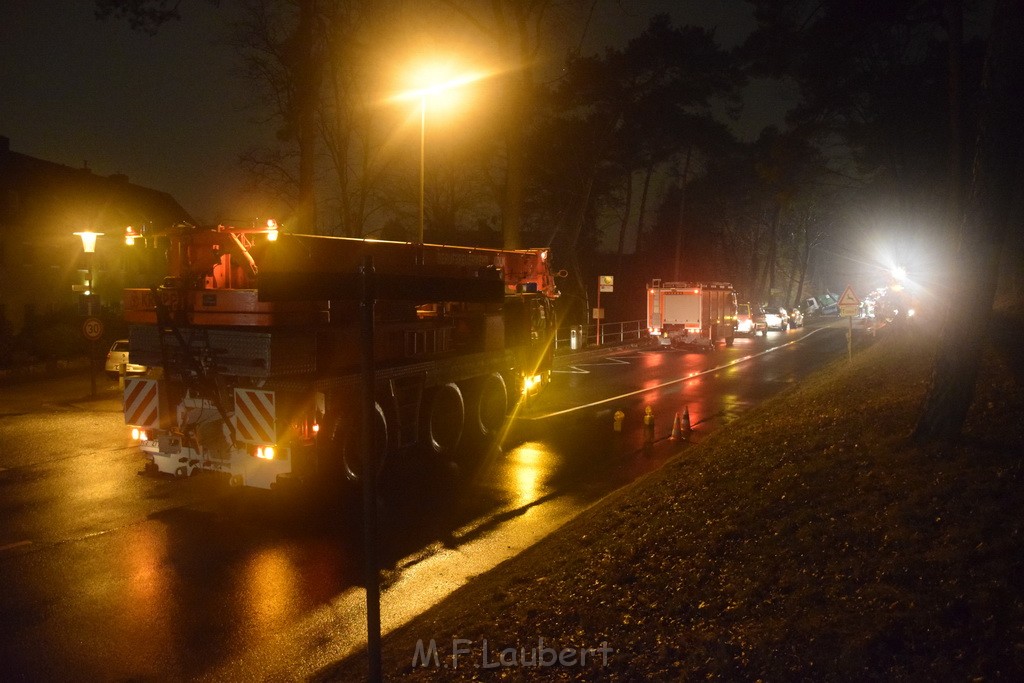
column 488, row 406
column 444, row 419
column 345, row 452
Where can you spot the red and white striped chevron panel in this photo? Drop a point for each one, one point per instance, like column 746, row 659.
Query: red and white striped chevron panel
column 254, row 416
column 141, row 402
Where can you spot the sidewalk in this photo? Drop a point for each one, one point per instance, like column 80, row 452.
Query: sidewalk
column 566, row 356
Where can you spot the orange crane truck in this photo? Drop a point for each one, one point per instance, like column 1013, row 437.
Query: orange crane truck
column 267, row 391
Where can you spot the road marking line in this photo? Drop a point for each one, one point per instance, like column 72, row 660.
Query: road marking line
column 674, row 381
column 12, row 546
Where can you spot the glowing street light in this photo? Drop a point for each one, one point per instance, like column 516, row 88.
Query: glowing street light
column 89, row 247
column 89, row 240
column 434, row 80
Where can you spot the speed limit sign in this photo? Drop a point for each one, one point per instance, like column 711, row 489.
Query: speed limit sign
column 92, row 328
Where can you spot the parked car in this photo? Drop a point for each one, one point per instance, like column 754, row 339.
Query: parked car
column 118, row 355
column 776, row 318
column 760, row 323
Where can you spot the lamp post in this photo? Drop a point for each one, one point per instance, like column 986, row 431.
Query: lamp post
column 423, row 156
column 92, row 332
column 432, row 82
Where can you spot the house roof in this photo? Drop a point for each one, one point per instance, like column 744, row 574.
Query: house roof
column 34, row 191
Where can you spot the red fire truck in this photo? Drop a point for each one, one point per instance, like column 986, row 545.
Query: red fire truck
column 698, row 314
column 266, row 392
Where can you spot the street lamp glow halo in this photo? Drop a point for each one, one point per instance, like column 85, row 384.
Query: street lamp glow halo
column 442, row 86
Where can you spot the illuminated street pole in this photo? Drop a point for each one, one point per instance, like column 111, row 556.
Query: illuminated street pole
column 423, row 156
column 431, row 84
column 89, row 247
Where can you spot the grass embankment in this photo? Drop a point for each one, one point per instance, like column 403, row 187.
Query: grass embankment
column 807, row 540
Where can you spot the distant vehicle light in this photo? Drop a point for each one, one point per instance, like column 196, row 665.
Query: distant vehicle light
column 910, row 312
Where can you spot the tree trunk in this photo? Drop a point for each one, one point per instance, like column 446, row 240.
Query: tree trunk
column 752, row 272
column 624, row 224
column 805, row 260
column 643, row 208
column 767, row 277
column 773, row 243
column 989, row 212
column 307, row 98
column 512, row 213
column 680, row 228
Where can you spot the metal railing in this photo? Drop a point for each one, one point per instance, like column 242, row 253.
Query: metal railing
column 611, row 333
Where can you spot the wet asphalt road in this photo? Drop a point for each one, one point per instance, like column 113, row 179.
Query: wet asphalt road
column 109, row 575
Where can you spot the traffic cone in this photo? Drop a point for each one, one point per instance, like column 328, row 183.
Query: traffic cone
column 675, row 429
column 686, row 420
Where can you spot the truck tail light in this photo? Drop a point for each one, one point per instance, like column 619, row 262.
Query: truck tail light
column 529, row 382
column 139, row 434
column 265, row 452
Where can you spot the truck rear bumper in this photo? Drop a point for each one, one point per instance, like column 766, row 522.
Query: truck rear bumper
column 242, row 468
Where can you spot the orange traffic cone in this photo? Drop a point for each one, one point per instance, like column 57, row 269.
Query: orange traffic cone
column 675, row 429
column 686, row 420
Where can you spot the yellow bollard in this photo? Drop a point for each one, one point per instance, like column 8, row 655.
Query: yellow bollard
column 648, row 424
column 619, row 417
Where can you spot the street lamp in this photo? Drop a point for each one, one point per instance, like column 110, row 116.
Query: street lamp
column 433, row 79
column 89, row 247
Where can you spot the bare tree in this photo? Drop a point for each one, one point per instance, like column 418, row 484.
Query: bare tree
column 991, row 210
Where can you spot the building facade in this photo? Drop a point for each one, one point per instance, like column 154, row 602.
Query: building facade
column 43, row 268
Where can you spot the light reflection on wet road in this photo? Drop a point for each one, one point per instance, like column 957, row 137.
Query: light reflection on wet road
column 154, row 578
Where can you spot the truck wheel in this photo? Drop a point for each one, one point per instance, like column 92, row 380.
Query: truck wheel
column 488, row 405
column 444, row 419
column 345, row 449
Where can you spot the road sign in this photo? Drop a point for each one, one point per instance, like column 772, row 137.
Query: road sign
column 92, row 328
column 605, row 283
column 849, row 304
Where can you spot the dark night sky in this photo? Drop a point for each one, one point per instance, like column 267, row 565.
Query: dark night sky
column 167, row 110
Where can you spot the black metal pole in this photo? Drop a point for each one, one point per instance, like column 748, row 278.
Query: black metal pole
column 370, row 478
column 92, row 368
column 92, row 344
